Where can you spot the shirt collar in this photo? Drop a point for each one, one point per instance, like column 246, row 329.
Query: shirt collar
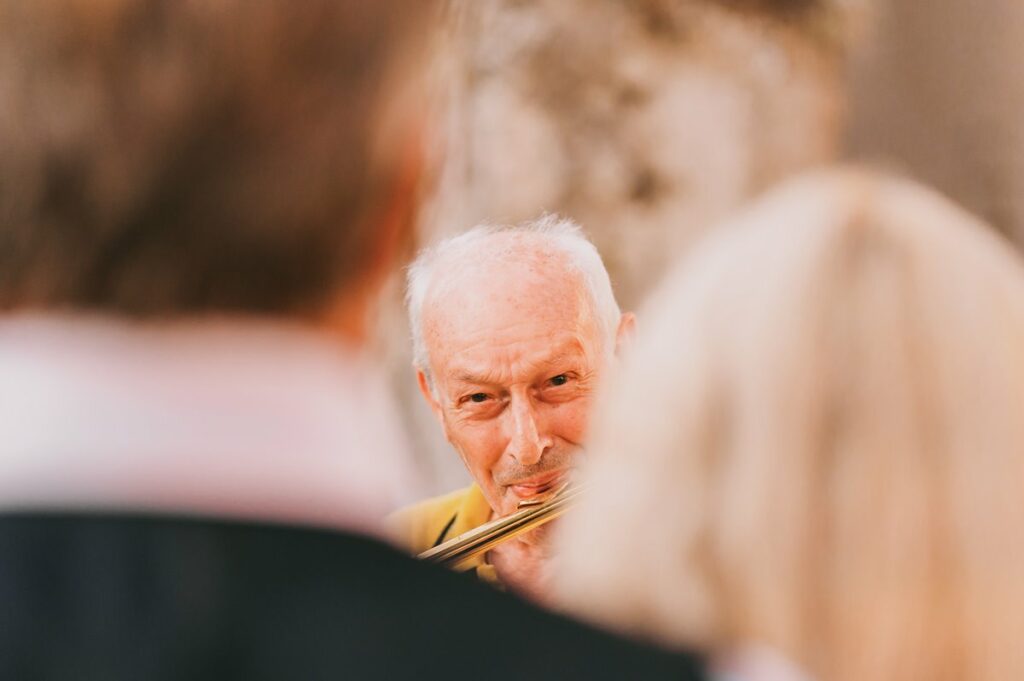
column 239, row 418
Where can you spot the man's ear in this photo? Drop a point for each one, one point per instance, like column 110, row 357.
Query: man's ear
column 428, row 395
column 392, row 226
column 624, row 334
column 394, row 221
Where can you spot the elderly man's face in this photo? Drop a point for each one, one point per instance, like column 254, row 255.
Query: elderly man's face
column 515, row 355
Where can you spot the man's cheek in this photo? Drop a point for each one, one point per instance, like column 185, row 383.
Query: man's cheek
column 575, row 420
column 479, row 459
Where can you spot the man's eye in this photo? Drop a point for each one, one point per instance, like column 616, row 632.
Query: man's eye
column 478, row 397
column 560, row 379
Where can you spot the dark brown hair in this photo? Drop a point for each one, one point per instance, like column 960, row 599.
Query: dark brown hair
column 167, row 157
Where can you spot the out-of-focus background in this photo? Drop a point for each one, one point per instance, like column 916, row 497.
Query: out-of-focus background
column 648, row 121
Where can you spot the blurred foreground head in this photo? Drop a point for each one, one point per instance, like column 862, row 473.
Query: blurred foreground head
column 167, row 158
column 219, row 169
column 818, row 443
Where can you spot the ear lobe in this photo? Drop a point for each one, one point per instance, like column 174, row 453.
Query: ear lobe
column 428, row 395
column 624, row 334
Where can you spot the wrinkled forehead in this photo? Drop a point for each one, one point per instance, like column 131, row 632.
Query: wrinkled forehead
column 504, row 298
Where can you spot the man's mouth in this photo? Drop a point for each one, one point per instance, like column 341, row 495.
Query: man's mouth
column 537, row 485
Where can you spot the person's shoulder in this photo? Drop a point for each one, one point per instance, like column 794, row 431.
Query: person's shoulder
column 314, row 601
column 417, row 527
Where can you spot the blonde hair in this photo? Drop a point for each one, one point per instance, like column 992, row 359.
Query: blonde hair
column 818, row 444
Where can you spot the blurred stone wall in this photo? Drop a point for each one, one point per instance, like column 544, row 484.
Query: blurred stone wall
column 937, row 91
column 648, row 120
column 644, row 120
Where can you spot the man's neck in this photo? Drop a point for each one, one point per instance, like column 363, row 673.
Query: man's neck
column 233, row 417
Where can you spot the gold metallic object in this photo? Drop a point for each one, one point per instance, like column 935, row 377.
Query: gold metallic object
column 532, row 513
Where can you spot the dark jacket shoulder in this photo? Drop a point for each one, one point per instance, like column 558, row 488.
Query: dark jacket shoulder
column 105, row 596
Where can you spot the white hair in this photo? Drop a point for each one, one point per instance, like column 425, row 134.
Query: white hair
column 549, row 233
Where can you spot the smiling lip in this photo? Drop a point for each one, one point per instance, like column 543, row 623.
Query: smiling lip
column 537, row 485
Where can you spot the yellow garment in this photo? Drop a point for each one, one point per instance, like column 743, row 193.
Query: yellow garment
column 435, row 521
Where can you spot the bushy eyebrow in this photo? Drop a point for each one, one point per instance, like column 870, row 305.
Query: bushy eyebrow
column 568, row 356
column 475, row 379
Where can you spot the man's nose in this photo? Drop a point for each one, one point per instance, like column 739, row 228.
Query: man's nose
column 527, row 444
